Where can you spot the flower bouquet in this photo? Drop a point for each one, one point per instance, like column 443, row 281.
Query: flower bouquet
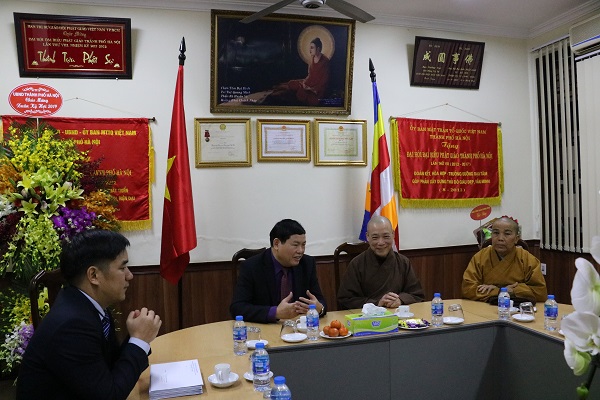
column 582, row 327
column 49, row 191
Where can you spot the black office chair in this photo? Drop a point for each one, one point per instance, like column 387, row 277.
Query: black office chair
column 54, row 281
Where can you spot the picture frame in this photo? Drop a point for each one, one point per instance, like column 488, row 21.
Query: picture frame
column 261, row 67
column 222, row 142
column 447, row 63
column 340, row 142
column 283, row 140
column 67, row 46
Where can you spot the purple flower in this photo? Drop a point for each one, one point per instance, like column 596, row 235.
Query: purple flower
column 68, row 222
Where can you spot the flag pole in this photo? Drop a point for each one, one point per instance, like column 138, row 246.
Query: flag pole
column 180, row 282
column 182, row 51
column 372, row 69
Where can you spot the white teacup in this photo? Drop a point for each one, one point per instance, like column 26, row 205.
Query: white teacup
column 301, row 322
column 222, row 372
column 512, row 304
column 403, row 310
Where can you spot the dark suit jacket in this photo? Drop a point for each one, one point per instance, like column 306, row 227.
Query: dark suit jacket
column 255, row 292
column 69, row 358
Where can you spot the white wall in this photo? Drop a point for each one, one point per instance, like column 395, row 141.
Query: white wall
column 236, row 207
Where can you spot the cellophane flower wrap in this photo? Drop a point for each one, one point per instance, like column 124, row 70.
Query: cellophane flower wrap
column 582, row 327
column 49, row 191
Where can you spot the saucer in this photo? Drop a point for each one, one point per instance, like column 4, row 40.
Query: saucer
column 523, row 317
column 293, row 337
column 252, row 343
column 249, row 376
column 405, row 315
column 453, row 320
column 233, row 377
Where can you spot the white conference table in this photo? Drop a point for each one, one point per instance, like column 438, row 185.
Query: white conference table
column 471, row 356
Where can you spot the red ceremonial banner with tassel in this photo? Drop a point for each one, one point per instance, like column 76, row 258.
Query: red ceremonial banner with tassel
column 124, row 146
column 447, row 163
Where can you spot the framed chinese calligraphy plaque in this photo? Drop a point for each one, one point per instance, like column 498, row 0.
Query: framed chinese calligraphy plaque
column 65, row 46
column 447, row 63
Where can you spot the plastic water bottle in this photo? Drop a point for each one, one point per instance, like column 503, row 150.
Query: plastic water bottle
column 550, row 314
column 503, row 304
column 280, row 391
column 312, row 323
column 261, row 368
column 240, row 334
column 437, row 310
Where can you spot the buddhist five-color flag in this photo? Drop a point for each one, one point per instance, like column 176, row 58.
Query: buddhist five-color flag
column 179, row 227
column 380, row 199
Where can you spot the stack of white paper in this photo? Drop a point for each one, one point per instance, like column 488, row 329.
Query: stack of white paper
column 174, row 379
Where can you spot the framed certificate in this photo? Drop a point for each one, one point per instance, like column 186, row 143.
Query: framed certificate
column 340, row 142
column 222, row 142
column 283, row 140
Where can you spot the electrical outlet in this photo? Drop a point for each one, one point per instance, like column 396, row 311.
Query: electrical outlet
column 543, row 269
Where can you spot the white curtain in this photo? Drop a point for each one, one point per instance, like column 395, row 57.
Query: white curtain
column 588, row 89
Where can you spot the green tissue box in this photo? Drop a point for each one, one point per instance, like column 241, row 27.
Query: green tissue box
column 361, row 325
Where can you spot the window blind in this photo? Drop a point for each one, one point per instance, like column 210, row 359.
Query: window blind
column 558, row 131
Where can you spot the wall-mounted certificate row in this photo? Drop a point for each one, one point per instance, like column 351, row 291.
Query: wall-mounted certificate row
column 227, row 142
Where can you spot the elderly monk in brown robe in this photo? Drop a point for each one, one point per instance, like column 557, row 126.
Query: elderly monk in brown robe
column 503, row 264
column 379, row 275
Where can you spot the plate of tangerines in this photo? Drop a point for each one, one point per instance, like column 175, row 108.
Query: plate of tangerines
column 335, row 330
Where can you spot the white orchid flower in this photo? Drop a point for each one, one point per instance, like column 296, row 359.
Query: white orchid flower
column 595, row 250
column 578, row 361
column 585, row 293
column 582, row 329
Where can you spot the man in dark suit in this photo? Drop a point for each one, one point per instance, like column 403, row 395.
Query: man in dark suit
column 281, row 282
column 74, row 353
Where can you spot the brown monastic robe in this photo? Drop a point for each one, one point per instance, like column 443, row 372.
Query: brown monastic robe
column 367, row 280
column 518, row 266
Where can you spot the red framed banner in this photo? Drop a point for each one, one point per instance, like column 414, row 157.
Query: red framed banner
column 124, row 146
column 447, row 163
column 66, row 46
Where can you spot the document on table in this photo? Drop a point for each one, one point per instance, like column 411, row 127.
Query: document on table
column 174, row 379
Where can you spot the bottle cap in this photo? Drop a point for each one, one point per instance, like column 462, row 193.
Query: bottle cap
column 311, row 306
column 504, row 289
column 259, row 345
column 550, row 297
column 239, row 318
column 436, row 295
column 279, row 380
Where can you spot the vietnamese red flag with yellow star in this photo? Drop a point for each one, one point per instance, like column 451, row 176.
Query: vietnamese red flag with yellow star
column 179, row 227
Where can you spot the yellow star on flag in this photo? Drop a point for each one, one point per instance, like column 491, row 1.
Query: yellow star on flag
column 169, row 165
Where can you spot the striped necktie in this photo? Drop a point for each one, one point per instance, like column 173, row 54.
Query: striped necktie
column 285, row 284
column 106, row 324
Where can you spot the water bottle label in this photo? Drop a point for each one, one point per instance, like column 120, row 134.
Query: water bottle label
column 260, row 365
column 437, row 309
column 503, row 302
column 240, row 333
column 550, row 311
column 312, row 321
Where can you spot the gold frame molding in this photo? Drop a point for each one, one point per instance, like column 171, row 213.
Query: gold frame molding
column 283, row 140
column 249, row 60
column 345, row 137
column 225, row 150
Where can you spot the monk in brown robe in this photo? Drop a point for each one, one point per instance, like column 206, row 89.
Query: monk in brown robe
column 379, row 275
column 503, row 264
